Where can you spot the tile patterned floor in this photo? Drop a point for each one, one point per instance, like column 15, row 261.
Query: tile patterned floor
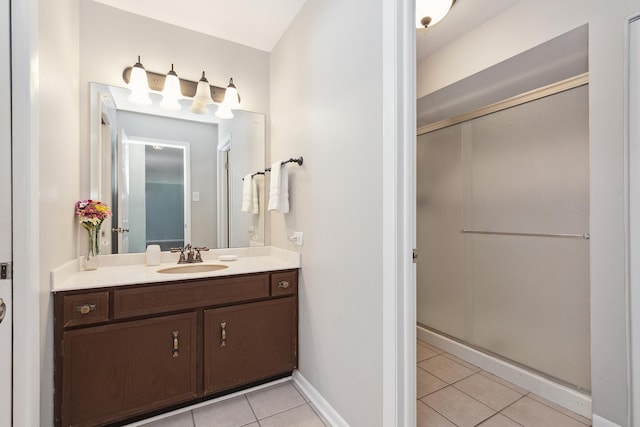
column 453, row 393
column 280, row 405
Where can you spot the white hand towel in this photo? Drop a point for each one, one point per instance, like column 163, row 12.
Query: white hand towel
column 247, row 196
column 279, row 188
column 255, row 207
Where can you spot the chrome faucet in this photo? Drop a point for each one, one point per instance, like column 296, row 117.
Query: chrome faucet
column 192, row 253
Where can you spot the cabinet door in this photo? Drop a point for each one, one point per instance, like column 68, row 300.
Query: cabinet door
column 249, row 342
column 116, row 371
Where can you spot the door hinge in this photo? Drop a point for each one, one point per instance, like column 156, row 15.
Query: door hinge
column 415, row 256
column 6, row 270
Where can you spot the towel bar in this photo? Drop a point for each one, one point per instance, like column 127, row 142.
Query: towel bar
column 501, row 233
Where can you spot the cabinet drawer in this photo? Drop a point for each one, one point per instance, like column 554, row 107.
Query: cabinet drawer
column 85, row 309
column 284, row 283
column 188, row 295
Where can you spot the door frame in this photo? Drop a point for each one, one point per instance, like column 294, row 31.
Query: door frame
column 26, row 246
column 398, row 213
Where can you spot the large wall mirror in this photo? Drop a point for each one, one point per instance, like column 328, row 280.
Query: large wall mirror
column 173, row 178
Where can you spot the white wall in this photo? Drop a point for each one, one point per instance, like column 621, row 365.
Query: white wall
column 326, row 105
column 59, row 165
column 509, row 34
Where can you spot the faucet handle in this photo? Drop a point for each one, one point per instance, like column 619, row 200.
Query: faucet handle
column 182, row 259
column 176, row 250
column 198, row 255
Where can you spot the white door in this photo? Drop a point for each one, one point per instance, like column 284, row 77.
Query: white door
column 5, row 218
column 123, row 193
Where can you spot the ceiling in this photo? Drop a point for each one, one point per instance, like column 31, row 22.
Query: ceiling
column 260, row 24
column 464, row 16
column 255, row 23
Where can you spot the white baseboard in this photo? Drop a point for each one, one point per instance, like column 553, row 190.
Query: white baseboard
column 318, row 401
column 559, row 394
column 602, row 422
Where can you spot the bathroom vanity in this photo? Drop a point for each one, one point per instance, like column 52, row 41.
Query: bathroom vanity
column 132, row 350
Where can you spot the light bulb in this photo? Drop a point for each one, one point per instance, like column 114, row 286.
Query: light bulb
column 231, row 98
column 224, row 112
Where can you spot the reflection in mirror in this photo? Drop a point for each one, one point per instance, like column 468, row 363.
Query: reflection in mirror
column 173, row 177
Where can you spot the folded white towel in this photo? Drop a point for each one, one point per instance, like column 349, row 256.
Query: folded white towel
column 279, row 188
column 250, row 195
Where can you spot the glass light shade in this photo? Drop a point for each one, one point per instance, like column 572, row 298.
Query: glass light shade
column 199, row 108
column 434, row 9
column 224, row 112
column 139, row 85
column 231, row 98
column 203, row 92
column 171, row 94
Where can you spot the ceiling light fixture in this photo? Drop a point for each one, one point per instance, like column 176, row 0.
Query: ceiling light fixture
column 139, row 85
column 430, row 12
column 171, row 94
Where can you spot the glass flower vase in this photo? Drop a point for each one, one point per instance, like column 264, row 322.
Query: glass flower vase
column 93, row 248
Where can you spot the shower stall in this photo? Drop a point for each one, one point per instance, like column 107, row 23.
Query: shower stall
column 503, row 231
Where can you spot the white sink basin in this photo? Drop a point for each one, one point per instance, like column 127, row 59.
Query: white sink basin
column 192, row 268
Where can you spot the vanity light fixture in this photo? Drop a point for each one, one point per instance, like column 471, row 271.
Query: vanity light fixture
column 170, row 85
column 138, row 85
column 171, row 94
column 231, row 97
column 430, row 12
column 202, row 98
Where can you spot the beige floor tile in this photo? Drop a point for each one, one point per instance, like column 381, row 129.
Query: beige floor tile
column 304, row 396
column 274, row 399
column 301, row 416
column 446, row 369
column 487, row 391
column 462, row 410
column 252, row 425
column 322, row 418
column 577, row 417
column 531, row 413
column 427, row 383
column 234, row 412
column 504, row 382
column 184, row 419
column 430, row 347
column 462, row 362
column 427, row 417
column 499, row 421
column 423, row 352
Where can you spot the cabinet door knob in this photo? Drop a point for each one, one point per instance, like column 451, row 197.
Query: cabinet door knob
column 85, row 308
column 283, row 284
column 176, row 343
column 223, row 334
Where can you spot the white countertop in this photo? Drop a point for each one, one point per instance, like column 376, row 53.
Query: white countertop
column 118, row 270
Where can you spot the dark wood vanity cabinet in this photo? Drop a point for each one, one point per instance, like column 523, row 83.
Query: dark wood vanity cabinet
column 123, row 352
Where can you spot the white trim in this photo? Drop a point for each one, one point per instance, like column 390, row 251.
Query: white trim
column 26, row 244
column 319, row 402
column 632, row 210
column 603, row 422
column 398, row 224
column 559, row 394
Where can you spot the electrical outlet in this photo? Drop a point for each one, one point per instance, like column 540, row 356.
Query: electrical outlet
column 297, row 238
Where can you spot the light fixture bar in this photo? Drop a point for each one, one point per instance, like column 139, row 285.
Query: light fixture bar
column 188, row 87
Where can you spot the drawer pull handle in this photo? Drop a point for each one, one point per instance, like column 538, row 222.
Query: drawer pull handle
column 85, row 308
column 283, row 284
column 223, row 334
column 176, row 343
